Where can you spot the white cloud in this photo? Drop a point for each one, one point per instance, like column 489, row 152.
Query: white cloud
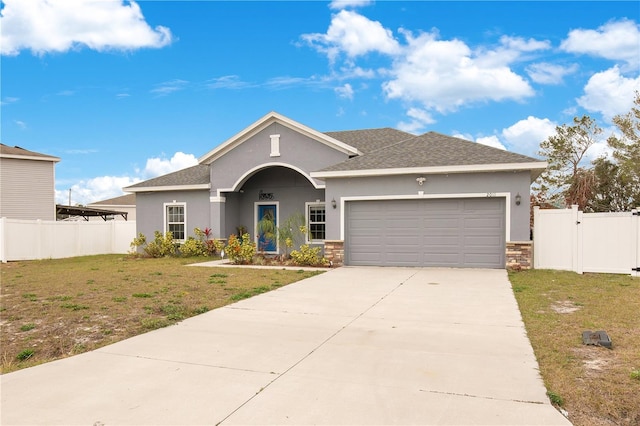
column 95, row 189
column 168, row 87
column 524, row 137
column 354, row 35
column 343, row 4
column 228, row 82
column 420, row 119
column 157, row 166
column 609, row 93
column 20, row 124
column 546, row 73
column 491, row 141
column 9, row 100
column 444, row 75
column 105, row 187
column 345, row 92
column 615, row 40
column 44, row 26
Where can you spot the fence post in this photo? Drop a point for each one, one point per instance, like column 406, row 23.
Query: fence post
column 635, row 242
column 576, row 240
column 3, row 238
column 536, row 235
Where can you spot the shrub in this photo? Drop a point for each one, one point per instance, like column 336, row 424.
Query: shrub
column 308, row 256
column 139, row 241
column 161, row 246
column 240, row 251
column 193, row 247
column 25, row 354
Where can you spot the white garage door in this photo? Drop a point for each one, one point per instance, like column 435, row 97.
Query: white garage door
column 461, row 232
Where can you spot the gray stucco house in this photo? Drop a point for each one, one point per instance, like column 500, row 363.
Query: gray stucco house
column 370, row 197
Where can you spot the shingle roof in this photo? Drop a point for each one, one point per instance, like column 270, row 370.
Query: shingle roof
column 430, row 150
column 370, row 139
column 16, row 151
column 123, row 200
column 195, row 175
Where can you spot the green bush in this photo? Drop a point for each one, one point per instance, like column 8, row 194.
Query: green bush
column 240, row 252
column 161, row 246
column 193, row 247
column 308, row 256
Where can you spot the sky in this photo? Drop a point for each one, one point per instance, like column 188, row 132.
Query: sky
column 124, row 91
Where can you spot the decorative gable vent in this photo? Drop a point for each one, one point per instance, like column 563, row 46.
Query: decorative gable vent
column 275, row 145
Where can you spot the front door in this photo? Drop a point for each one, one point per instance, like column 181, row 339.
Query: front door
column 266, row 227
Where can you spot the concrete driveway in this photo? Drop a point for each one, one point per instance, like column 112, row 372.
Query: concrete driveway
column 351, row 346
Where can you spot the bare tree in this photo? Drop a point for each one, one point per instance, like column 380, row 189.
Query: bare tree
column 566, row 182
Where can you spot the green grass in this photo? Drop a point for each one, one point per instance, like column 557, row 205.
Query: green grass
column 593, row 384
column 127, row 296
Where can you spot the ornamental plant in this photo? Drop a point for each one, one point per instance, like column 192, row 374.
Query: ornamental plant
column 162, row 245
column 240, row 251
column 308, row 256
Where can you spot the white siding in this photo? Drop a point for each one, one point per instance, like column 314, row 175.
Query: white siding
column 27, row 189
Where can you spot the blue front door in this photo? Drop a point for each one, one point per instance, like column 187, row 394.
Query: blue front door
column 267, row 228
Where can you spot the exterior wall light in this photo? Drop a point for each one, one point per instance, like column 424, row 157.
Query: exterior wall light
column 518, row 199
column 333, row 203
column 421, row 180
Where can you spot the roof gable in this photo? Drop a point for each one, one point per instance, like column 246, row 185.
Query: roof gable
column 434, row 151
column 122, row 200
column 195, row 177
column 24, row 154
column 264, row 122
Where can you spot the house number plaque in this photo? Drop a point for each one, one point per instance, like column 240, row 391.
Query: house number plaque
column 265, row 196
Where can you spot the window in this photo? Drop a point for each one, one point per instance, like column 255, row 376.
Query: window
column 316, row 222
column 175, row 220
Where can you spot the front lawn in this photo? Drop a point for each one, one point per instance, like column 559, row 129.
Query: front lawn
column 595, row 385
column 51, row 309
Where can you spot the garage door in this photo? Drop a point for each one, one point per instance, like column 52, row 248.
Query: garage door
column 464, row 232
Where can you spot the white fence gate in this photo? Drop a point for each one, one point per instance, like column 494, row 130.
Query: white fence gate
column 44, row 239
column 586, row 242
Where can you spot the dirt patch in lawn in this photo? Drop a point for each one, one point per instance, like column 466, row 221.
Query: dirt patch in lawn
column 52, row 309
column 564, row 307
column 594, row 384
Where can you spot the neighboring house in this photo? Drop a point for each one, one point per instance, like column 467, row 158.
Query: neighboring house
column 27, row 184
column 370, row 197
column 124, row 203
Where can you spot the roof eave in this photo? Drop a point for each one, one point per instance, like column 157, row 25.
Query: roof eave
column 536, row 169
column 264, row 122
column 168, row 188
column 31, row 157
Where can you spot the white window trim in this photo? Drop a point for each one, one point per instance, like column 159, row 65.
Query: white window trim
column 308, row 224
column 174, row 203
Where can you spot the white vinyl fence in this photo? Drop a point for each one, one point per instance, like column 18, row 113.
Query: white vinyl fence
column 586, row 242
column 44, row 239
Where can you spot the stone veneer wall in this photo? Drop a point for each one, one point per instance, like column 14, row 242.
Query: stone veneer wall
column 334, row 251
column 519, row 255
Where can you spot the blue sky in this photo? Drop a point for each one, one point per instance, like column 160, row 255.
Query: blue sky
column 125, row 91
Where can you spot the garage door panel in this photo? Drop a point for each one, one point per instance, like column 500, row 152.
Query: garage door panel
column 440, row 232
column 400, row 224
column 442, row 259
column 481, row 260
column 482, row 241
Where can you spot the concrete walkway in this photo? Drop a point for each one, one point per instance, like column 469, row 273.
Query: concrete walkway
column 351, row 346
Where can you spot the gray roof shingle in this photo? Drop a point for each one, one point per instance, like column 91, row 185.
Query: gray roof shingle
column 430, row 150
column 122, row 200
column 21, row 152
column 195, row 175
column 370, row 139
